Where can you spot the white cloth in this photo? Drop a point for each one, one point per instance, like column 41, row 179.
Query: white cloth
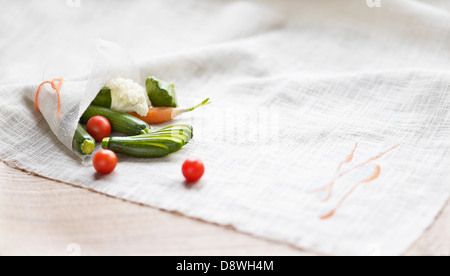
column 294, row 84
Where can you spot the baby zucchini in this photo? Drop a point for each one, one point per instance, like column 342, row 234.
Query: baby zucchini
column 155, row 144
column 103, row 98
column 184, row 130
column 120, row 122
column 82, row 141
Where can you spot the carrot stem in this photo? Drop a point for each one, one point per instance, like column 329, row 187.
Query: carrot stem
column 205, row 102
column 158, row 115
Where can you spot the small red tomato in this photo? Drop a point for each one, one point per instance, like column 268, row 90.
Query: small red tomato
column 193, row 169
column 105, row 161
column 98, row 127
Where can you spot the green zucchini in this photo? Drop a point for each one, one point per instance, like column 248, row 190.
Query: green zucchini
column 184, row 137
column 103, row 98
column 177, row 126
column 155, row 144
column 82, row 141
column 120, row 122
column 183, row 131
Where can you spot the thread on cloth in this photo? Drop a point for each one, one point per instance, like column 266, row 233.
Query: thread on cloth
column 370, row 179
column 329, row 187
column 349, row 158
column 56, row 85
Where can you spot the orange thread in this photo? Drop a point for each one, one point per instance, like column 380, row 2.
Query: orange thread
column 370, row 160
column 329, row 187
column 37, row 95
column 349, row 158
column 372, row 178
column 56, row 85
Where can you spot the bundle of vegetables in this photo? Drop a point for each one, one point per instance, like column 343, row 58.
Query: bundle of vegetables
column 162, row 97
column 129, row 109
column 122, row 104
column 126, row 107
column 144, row 143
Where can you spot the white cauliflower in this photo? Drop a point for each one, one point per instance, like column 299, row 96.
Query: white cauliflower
column 128, row 96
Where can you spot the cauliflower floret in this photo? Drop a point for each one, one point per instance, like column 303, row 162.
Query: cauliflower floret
column 128, row 96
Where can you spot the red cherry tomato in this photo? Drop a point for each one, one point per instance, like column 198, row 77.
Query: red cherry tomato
column 193, row 169
column 98, row 127
column 105, row 161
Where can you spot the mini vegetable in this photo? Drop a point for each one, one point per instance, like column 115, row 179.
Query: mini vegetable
column 99, row 127
column 120, row 122
column 128, row 96
column 161, row 93
column 193, row 169
column 103, row 98
column 155, row 144
column 105, row 161
column 157, row 115
column 82, row 141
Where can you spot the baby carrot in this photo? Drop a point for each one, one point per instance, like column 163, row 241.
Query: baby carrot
column 157, row 115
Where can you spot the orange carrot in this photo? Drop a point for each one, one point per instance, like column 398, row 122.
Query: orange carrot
column 56, row 84
column 157, row 115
